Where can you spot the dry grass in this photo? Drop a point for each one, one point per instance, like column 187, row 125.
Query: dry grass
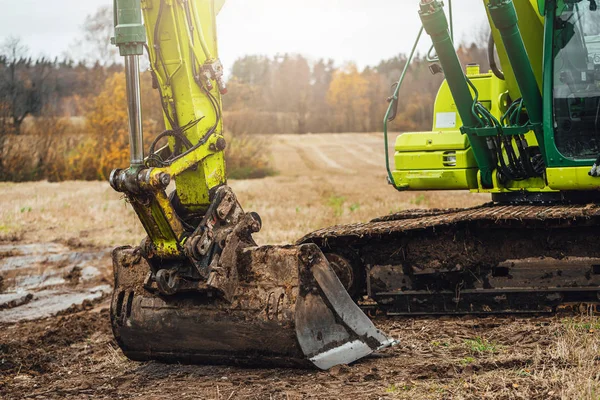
column 87, row 212
column 524, row 358
column 323, row 180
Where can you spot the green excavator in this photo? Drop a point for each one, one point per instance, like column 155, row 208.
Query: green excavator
column 198, row 289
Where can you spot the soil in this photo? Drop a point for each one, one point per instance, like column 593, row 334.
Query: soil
column 75, row 356
column 56, row 277
column 71, row 353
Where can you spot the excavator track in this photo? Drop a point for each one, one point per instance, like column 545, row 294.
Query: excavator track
column 490, row 259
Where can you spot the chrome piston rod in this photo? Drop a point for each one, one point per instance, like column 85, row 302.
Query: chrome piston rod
column 134, row 106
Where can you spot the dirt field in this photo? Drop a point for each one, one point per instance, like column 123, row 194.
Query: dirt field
column 55, row 339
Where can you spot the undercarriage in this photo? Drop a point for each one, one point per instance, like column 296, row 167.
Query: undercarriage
column 488, row 259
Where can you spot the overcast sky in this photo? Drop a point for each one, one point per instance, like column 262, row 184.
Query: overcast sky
column 364, row 31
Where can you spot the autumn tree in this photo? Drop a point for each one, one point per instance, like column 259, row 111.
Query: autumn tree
column 320, row 113
column 377, row 93
column 249, row 84
column 107, row 123
column 291, row 88
column 348, row 98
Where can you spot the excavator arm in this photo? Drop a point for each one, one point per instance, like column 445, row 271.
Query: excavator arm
column 198, row 288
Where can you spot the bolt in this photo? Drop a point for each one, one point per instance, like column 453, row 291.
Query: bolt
column 164, row 179
column 221, row 144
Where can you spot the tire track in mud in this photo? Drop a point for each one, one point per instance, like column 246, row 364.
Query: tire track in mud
column 316, row 160
column 362, row 158
column 355, row 145
column 327, row 160
column 332, row 154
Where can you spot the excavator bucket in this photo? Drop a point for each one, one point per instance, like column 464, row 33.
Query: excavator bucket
column 289, row 309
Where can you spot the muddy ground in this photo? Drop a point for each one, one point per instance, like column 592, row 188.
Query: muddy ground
column 55, row 283
column 75, row 356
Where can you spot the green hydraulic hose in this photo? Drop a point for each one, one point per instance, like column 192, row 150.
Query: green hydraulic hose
column 391, row 108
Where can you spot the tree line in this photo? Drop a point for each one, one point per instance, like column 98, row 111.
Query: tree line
column 78, row 109
column 282, row 94
column 289, row 94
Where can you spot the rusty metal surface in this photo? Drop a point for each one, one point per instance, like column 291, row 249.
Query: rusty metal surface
column 288, row 308
column 257, row 328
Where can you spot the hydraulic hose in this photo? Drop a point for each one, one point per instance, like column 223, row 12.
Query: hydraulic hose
column 492, row 58
column 392, row 110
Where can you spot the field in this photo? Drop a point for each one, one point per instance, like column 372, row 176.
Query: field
column 55, row 338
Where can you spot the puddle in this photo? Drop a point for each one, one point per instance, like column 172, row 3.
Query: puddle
column 49, row 302
column 40, row 280
column 14, row 262
column 37, row 282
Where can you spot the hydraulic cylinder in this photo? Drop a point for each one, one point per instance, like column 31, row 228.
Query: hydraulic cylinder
column 436, row 25
column 134, row 107
column 130, row 37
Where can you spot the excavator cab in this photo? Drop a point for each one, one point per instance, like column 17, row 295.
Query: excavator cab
column 576, row 80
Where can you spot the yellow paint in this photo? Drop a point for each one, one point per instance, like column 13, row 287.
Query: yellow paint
column 572, row 178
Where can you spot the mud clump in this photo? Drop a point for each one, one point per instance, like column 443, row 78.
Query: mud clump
column 73, row 276
column 17, row 302
column 87, row 305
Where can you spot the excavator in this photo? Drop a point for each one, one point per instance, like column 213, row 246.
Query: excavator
column 199, row 289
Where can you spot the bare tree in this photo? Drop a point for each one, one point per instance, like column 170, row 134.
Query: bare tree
column 97, row 30
column 22, row 84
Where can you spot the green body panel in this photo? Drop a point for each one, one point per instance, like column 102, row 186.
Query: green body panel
column 571, row 178
column 432, row 141
column 184, row 99
column 492, row 94
column 418, row 153
column 431, row 179
column 447, row 159
column 428, row 160
column 534, row 185
column 527, row 62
